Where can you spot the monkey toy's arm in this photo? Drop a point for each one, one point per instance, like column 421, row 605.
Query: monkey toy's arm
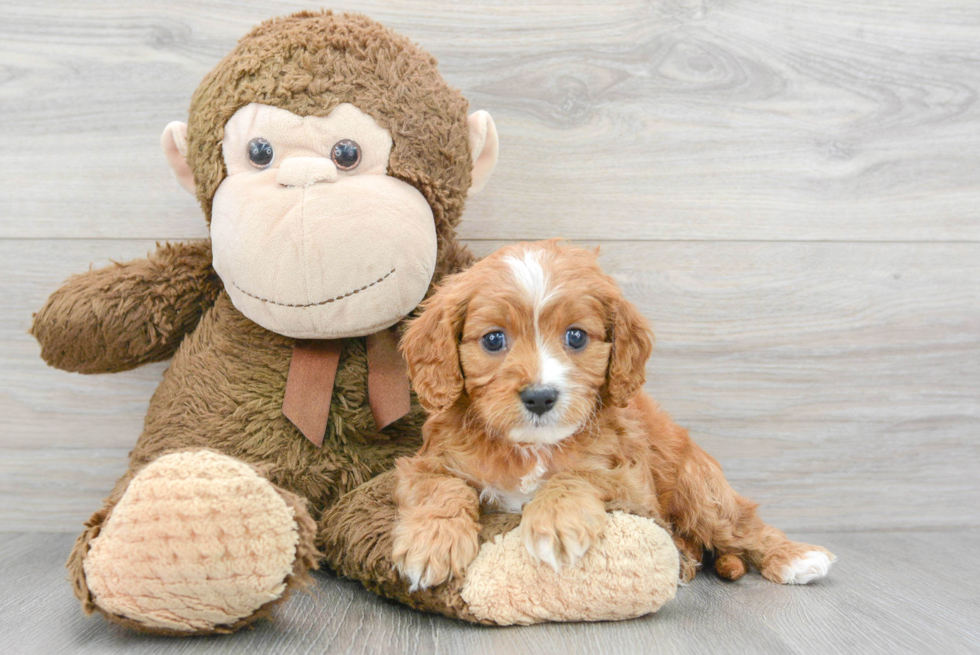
column 119, row 317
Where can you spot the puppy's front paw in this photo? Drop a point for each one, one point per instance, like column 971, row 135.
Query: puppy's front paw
column 429, row 552
column 560, row 531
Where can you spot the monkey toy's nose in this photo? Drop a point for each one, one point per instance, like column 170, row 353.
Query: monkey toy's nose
column 304, row 171
column 539, row 399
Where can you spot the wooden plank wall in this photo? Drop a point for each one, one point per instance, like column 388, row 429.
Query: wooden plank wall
column 790, row 190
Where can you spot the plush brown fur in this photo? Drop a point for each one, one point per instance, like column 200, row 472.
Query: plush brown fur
column 104, row 321
column 224, row 388
column 282, row 62
column 620, row 450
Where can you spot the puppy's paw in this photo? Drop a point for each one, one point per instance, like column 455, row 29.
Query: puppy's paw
column 730, row 566
column 689, row 568
column 813, row 565
column 561, row 530
column 429, row 552
column 803, row 565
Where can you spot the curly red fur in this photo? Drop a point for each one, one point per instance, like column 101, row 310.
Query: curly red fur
column 605, row 444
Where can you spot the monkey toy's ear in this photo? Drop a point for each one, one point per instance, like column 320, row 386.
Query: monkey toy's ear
column 174, row 142
column 483, row 148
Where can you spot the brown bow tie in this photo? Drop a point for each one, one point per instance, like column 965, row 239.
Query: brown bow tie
column 309, row 385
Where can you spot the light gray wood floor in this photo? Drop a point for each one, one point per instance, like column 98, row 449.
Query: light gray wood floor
column 890, row 592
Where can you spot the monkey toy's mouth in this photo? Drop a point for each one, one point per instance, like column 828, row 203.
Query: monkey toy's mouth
column 322, row 302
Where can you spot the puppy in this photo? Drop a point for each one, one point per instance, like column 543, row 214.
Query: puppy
column 531, row 365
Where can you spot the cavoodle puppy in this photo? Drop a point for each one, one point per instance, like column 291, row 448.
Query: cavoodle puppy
column 531, row 364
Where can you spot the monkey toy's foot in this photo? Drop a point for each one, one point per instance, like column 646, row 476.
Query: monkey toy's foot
column 630, row 572
column 198, row 543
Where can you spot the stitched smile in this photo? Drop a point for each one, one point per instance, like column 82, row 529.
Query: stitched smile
column 322, row 302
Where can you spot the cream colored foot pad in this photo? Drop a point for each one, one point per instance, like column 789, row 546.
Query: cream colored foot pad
column 198, row 539
column 631, row 572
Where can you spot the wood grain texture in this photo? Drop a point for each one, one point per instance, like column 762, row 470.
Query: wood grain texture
column 895, row 593
column 836, row 383
column 789, row 189
column 665, row 119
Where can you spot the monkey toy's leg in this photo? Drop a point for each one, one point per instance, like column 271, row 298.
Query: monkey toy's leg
column 195, row 542
column 632, row 571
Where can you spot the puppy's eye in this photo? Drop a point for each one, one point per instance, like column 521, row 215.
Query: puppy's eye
column 576, row 339
column 494, row 341
column 260, row 152
column 346, row 155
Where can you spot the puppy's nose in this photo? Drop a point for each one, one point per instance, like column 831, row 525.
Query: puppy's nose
column 539, row 399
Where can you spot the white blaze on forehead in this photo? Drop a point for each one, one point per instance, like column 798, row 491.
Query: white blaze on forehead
column 536, row 282
column 532, row 277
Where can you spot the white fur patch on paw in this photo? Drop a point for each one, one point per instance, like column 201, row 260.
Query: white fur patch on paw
column 812, row 566
column 574, row 551
column 543, row 550
column 429, row 552
column 421, row 574
column 415, row 574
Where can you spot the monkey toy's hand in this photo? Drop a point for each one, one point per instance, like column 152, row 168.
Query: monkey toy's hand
column 119, row 317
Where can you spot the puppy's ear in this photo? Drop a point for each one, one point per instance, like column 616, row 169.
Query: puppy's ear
column 632, row 343
column 431, row 348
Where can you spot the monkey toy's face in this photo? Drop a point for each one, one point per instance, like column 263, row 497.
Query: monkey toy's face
column 310, row 236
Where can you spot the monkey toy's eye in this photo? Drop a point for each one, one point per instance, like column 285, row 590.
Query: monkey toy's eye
column 494, row 341
column 346, row 155
column 260, row 152
column 576, row 339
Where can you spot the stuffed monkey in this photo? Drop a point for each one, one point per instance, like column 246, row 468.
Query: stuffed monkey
column 332, row 162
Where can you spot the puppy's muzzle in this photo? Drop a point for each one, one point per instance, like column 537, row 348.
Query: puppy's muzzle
column 539, row 400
